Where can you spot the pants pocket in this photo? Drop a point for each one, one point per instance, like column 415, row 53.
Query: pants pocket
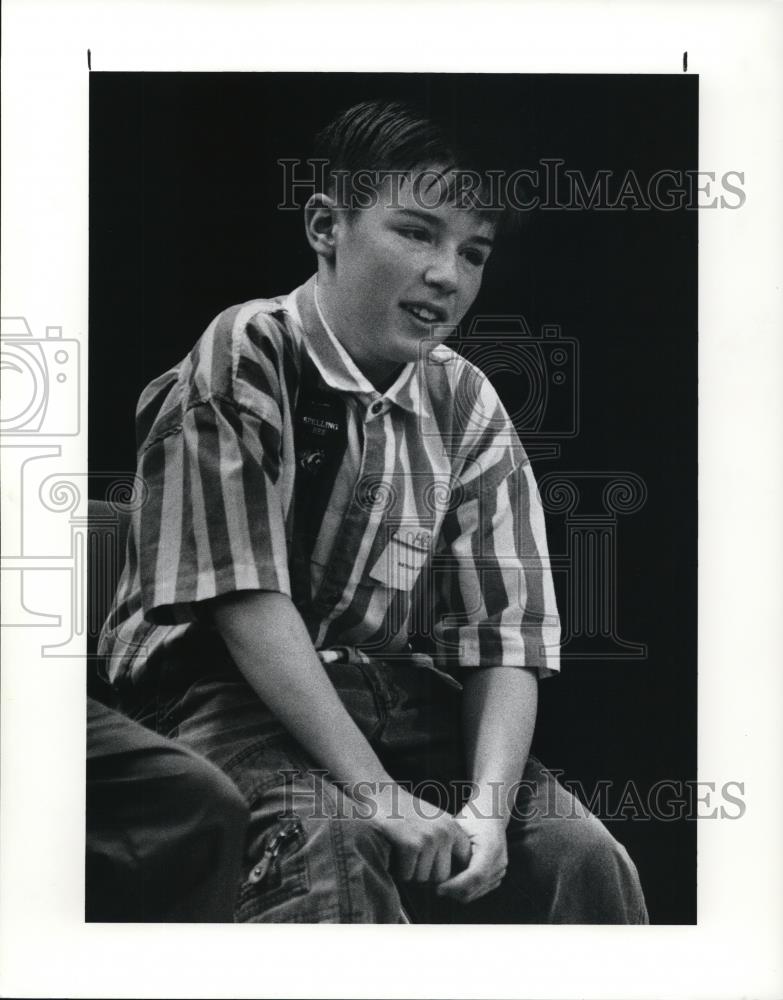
column 276, row 863
column 280, row 872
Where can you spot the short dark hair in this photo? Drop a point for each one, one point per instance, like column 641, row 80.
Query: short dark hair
column 381, row 137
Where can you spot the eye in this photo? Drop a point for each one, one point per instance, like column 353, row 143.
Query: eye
column 475, row 257
column 416, row 233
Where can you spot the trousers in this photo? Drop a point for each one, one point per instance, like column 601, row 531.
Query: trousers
column 165, row 828
column 310, row 859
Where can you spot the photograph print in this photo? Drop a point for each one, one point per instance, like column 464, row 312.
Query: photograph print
column 393, row 498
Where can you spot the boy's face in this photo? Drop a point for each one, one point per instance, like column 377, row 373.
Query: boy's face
column 404, row 271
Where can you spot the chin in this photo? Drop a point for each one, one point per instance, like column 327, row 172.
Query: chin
column 405, row 357
column 409, row 349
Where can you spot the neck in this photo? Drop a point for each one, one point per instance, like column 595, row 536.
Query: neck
column 384, row 380
column 381, row 374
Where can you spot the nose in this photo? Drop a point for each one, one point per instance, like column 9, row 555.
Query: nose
column 442, row 272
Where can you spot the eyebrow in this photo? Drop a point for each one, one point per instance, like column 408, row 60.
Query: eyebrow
column 417, row 213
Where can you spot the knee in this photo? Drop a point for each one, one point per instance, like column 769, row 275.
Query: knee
column 335, row 869
column 580, row 872
column 588, row 845
column 361, row 858
column 570, row 838
column 350, row 861
column 600, row 870
column 361, row 844
column 211, row 797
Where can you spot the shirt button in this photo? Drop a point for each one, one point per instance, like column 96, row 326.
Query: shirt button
column 376, row 407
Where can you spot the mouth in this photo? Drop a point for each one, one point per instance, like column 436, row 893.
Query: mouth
column 426, row 313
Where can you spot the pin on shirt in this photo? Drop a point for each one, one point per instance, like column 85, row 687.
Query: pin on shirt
column 319, row 431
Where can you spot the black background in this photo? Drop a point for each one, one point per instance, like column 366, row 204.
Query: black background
column 184, row 185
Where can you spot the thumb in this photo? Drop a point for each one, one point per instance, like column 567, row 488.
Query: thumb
column 461, row 850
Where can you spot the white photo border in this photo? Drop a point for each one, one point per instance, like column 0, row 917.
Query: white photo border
column 46, row 949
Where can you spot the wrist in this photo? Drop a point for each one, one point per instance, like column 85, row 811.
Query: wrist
column 379, row 800
column 490, row 801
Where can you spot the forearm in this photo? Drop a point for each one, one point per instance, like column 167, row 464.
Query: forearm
column 270, row 644
column 499, row 714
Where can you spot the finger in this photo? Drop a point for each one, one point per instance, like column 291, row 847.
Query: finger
column 462, row 850
column 480, row 890
column 441, row 869
column 477, row 873
column 481, row 873
column 426, row 859
column 491, row 885
column 405, row 859
column 479, row 894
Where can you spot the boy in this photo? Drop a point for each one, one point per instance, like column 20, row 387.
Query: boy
column 338, row 589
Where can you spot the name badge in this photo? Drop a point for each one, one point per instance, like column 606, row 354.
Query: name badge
column 401, row 562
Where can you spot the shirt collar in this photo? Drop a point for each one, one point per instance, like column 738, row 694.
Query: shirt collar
column 337, row 367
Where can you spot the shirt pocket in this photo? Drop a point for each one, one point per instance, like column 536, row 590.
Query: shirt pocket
column 402, row 559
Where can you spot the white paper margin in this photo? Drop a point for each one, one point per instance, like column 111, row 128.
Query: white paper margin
column 735, row 48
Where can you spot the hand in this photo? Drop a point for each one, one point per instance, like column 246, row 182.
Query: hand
column 488, row 859
column 426, row 844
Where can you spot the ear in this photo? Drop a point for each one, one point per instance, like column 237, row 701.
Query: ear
column 321, row 217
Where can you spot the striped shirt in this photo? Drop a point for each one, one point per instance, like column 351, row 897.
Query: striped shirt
column 431, row 540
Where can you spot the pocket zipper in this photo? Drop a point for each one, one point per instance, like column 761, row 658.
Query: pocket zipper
column 288, row 830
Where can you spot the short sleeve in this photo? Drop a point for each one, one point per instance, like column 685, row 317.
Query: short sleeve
column 497, row 603
column 214, row 521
